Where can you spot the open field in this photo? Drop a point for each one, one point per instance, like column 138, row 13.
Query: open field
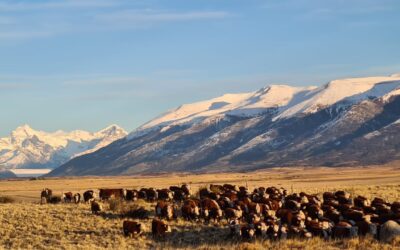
column 27, row 224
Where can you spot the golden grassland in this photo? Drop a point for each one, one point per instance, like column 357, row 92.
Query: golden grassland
column 25, row 224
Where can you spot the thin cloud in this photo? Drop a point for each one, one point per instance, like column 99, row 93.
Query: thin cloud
column 151, row 16
column 65, row 4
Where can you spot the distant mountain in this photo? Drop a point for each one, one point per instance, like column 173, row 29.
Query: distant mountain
column 29, row 148
column 344, row 122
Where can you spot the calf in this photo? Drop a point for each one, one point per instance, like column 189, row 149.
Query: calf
column 95, row 207
column 132, row 228
column 159, row 228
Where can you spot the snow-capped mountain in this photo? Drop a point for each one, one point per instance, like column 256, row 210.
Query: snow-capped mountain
column 29, row 148
column 344, row 122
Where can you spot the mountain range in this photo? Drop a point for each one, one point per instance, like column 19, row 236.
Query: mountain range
column 29, row 148
column 345, row 122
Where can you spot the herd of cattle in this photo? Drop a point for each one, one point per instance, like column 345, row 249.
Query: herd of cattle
column 263, row 213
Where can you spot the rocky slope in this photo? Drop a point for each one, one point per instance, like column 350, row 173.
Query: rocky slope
column 344, row 122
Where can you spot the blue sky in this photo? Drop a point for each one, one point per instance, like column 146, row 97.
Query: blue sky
column 85, row 64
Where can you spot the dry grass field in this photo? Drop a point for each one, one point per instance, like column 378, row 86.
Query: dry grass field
column 25, row 224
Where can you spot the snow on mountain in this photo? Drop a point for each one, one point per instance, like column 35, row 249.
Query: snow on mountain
column 26, row 147
column 244, row 104
column 351, row 90
column 287, row 100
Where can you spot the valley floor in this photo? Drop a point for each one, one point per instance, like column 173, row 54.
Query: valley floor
column 27, row 224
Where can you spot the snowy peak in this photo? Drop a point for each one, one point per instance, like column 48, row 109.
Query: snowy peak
column 28, row 147
column 287, row 101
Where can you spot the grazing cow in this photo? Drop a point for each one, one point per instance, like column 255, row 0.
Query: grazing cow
column 164, row 210
column 395, row 207
column 151, row 194
column 106, row 194
column 45, row 195
column 388, row 231
column 139, row 213
column 132, row 195
column 88, row 195
column 344, row 230
column 95, row 207
column 233, row 213
column 165, row 194
column 132, row 228
column 77, row 198
column 211, row 209
column 190, row 210
column 361, row 201
column 186, row 189
column 159, row 228
column 67, row 197
column 247, row 232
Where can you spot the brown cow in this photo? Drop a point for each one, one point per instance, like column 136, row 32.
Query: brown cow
column 233, row 213
column 132, row 228
column 190, row 210
column 67, row 197
column 45, row 195
column 117, row 193
column 164, row 210
column 159, row 228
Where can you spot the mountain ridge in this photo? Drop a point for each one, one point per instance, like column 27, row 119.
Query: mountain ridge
column 29, row 148
column 278, row 125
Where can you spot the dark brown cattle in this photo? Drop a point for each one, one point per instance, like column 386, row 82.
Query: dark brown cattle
column 395, row 207
column 95, row 207
column 118, row 193
column 45, row 195
column 190, row 211
column 232, row 213
column 164, row 210
column 186, row 189
column 159, row 228
column 142, row 194
column 77, row 198
column 132, row 195
column 179, row 195
column 139, row 213
column 319, row 228
column 354, row 215
column 132, row 228
column 366, row 227
column 231, row 187
column 344, row 230
column 361, row 201
column 314, row 211
column 88, row 195
column 151, row 194
column 247, row 232
column 68, row 197
column 252, row 218
column 165, row 194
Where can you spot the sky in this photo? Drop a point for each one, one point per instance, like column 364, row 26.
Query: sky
column 86, row 64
